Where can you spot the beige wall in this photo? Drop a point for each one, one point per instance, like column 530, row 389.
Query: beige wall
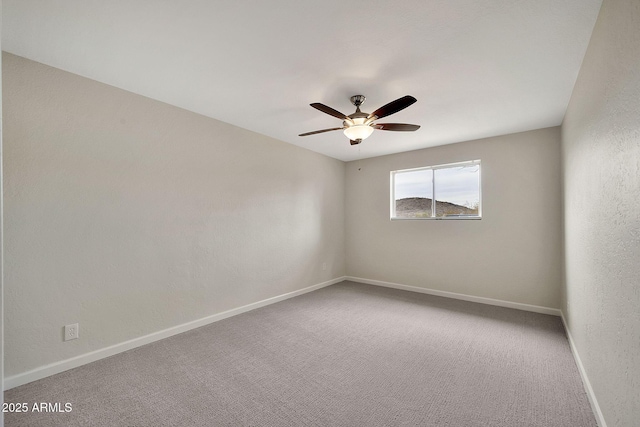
column 130, row 216
column 513, row 253
column 601, row 154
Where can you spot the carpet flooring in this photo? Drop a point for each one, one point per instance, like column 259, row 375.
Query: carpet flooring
column 346, row 355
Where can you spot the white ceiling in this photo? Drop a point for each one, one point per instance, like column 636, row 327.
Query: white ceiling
column 477, row 67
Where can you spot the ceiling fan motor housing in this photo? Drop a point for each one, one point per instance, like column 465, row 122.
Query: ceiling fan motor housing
column 354, row 118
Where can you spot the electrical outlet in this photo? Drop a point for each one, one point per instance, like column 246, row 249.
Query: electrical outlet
column 324, row 265
column 71, row 332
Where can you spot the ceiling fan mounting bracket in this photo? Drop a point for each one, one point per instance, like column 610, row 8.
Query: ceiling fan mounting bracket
column 358, row 100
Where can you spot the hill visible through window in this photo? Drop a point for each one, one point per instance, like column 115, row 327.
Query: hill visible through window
column 456, row 188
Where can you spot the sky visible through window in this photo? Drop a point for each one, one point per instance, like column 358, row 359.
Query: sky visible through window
column 457, row 184
column 414, row 184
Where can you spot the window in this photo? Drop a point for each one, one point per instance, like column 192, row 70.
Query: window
column 454, row 187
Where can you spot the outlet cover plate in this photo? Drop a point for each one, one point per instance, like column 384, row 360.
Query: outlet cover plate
column 71, row 332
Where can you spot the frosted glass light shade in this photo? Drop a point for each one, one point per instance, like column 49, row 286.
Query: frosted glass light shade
column 358, row 132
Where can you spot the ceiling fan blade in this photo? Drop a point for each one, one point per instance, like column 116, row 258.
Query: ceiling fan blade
column 330, row 111
column 401, row 127
column 393, row 107
column 319, row 131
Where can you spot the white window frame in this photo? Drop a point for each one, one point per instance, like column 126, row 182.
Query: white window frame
column 392, row 203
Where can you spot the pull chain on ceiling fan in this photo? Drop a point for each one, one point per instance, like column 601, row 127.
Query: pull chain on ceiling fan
column 359, row 126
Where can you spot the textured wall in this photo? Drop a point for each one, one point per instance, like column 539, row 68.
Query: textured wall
column 601, row 154
column 513, row 253
column 130, row 216
column 1, row 251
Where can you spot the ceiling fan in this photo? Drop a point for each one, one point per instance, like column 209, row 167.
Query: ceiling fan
column 359, row 125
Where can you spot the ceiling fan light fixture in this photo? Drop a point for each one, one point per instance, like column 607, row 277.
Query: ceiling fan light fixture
column 358, row 131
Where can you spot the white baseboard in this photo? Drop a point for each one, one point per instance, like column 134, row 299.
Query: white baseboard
column 481, row 300
column 83, row 359
column 585, row 380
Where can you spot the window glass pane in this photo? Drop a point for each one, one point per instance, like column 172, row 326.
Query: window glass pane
column 413, row 191
column 458, row 191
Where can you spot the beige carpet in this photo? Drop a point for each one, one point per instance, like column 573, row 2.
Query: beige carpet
column 346, row 355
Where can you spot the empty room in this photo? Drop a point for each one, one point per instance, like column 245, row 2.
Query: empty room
column 295, row 213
